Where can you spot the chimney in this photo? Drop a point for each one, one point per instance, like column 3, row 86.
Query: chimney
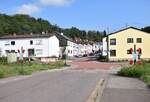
column 14, row 34
column 43, row 33
column 46, row 32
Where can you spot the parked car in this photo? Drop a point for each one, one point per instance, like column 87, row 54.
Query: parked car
column 84, row 55
column 91, row 54
column 98, row 54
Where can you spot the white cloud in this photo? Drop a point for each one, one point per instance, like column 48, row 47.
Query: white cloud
column 27, row 9
column 55, row 2
column 36, row 7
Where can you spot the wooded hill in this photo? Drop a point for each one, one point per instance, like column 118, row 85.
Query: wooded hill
column 146, row 29
column 25, row 24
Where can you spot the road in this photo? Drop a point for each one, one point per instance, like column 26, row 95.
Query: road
column 72, row 85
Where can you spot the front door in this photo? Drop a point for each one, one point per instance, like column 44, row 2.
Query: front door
column 30, row 52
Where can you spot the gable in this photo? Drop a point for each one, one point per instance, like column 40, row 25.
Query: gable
column 130, row 32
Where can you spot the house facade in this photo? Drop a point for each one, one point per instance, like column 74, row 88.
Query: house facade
column 37, row 46
column 117, row 45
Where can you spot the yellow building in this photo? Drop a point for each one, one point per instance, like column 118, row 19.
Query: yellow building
column 119, row 44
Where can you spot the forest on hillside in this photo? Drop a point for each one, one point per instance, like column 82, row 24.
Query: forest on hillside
column 146, row 29
column 25, row 24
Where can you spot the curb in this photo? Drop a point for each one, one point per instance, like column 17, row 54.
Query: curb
column 97, row 92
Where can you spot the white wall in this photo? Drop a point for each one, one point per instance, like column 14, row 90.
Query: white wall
column 47, row 47
column 104, row 52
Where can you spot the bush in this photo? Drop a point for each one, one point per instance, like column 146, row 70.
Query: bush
column 102, row 58
column 3, row 60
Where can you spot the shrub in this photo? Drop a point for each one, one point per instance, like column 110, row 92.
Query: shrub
column 102, row 58
column 3, row 60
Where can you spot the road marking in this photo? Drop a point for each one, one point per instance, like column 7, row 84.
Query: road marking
column 97, row 91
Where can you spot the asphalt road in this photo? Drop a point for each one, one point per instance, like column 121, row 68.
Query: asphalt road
column 59, row 86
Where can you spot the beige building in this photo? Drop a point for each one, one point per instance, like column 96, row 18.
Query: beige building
column 117, row 45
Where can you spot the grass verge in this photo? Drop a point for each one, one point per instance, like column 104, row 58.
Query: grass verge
column 7, row 70
column 137, row 71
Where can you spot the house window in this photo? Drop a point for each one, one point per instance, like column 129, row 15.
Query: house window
column 68, row 51
column 38, row 42
column 129, row 52
column 7, row 43
column 30, row 52
column 7, row 51
column 31, row 42
column 112, row 41
column 112, row 52
column 130, row 40
column 12, row 42
column 39, row 51
column 12, row 51
column 139, row 40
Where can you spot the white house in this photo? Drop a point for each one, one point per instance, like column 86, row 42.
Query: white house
column 35, row 45
column 71, row 48
column 104, row 51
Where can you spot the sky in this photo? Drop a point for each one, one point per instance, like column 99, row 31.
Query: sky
column 109, row 15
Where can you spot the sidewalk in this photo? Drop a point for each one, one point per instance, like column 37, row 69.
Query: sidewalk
column 123, row 89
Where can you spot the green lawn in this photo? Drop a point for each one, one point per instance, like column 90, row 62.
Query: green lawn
column 7, row 70
column 138, row 71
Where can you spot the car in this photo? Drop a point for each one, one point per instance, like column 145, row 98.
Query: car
column 84, row 55
column 91, row 54
column 98, row 54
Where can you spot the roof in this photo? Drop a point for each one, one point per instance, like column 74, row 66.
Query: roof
column 63, row 36
column 125, row 29
column 26, row 36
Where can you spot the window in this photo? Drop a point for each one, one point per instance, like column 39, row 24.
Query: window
column 112, row 41
column 129, row 52
column 12, row 51
column 31, row 42
column 12, row 42
column 112, row 52
column 130, row 40
column 139, row 40
column 39, row 51
column 38, row 42
column 68, row 51
column 7, row 43
column 7, row 51
column 30, row 52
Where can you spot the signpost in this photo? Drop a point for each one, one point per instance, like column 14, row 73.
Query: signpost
column 21, row 58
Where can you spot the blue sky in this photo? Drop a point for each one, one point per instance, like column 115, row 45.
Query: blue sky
column 84, row 14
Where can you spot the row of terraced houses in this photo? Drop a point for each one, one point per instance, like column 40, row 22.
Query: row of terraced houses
column 116, row 46
column 44, row 46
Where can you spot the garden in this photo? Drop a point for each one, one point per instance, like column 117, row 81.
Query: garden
column 14, row 69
